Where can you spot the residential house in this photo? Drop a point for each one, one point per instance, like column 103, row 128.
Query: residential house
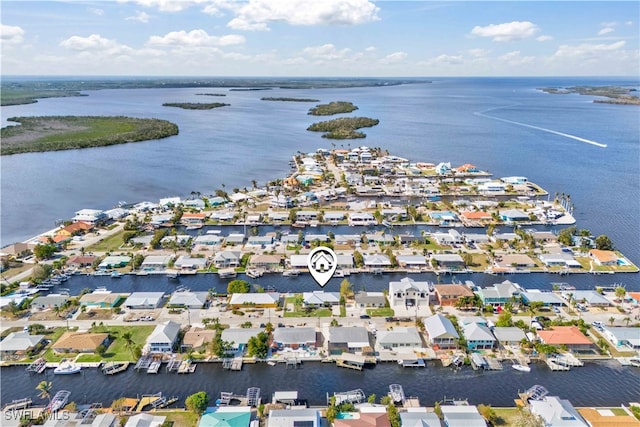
column 295, row 418
column 559, row 259
column 256, row 300
column 408, row 293
column 226, row 416
column 239, row 338
column 207, row 240
column 268, row 262
column 419, row 417
column 623, row 336
column 18, row 345
column 365, row 419
column 80, row 342
column 509, row 335
column 347, row 239
column 548, row 299
column 478, row 336
column 370, row 299
column 591, row 298
column 294, row 338
column 448, row 295
column 353, row 339
column 513, row 215
column 376, row 261
column 234, row 239
column 452, row 262
column 114, row 261
column 90, row 216
column 227, row 259
column 50, row 301
column 81, row 261
column 74, row 229
column 260, row 241
column 156, row 262
column 517, row 261
column 197, row 338
column 601, row 257
column 440, row 332
column 164, row 338
column 189, row 299
column 362, row 218
column 144, row 300
column 100, row 299
column 462, row 416
column 320, row 299
column 145, row 420
column 191, row 264
column 499, row 294
column 569, row 336
column 306, row 215
column 404, row 338
column 193, row 219
column 412, row 262
column 557, row 412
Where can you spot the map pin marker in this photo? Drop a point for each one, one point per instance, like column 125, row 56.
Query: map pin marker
column 322, row 263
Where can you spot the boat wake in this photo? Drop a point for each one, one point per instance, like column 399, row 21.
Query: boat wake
column 555, row 132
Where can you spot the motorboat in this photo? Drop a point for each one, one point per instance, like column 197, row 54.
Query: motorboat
column 66, row 368
column 521, row 368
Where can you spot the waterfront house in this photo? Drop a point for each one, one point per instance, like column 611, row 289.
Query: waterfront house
column 50, row 301
column 379, row 238
column 145, row 420
column 294, row 338
column 227, row 259
column 81, row 261
column 452, row 237
column 254, row 300
column 362, row 218
column 306, row 215
column 516, row 261
column 268, row 262
column 452, row 262
column 226, row 416
column 334, row 216
column 462, row 416
column 347, row 239
column 556, row 412
column 509, row 335
column 404, row 338
column 504, row 237
column 412, row 262
column 623, row 336
column 513, row 215
column 193, row 219
column 320, row 299
column 591, row 298
column 297, row 262
column 169, row 202
column 191, row 264
column 601, row 257
column 376, row 261
column 207, row 240
column 222, row 216
column 189, row 299
column 234, row 239
column 196, row 204
column 377, row 418
column 499, row 294
column 476, row 238
column 162, row 220
column 548, row 299
column 559, row 259
column 448, row 295
column 74, row 229
column 17, row 250
column 474, row 216
column 156, row 262
column 80, row 342
column 310, row 238
column 239, row 338
column 408, row 293
column 164, row 337
column 419, row 417
column 568, row 336
column 440, row 332
column 478, row 336
column 370, row 299
column 114, row 261
column 197, row 338
column 306, row 417
column 144, row 300
column 18, row 345
column 353, row 339
column 90, row 216
column 100, row 299
column 260, row 241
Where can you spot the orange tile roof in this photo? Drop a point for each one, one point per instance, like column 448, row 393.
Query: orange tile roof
column 194, row 215
column 366, row 419
column 476, row 215
column 595, row 419
column 603, row 256
column 80, row 341
column 634, row 295
column 570, row 335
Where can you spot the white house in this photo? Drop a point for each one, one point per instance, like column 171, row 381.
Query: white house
column 144, row 300
column 163, row 338
column 408, row 293
column 440, row 331
column 557, row 412
column 407, row 338
column 294, row 418
column 91, row 216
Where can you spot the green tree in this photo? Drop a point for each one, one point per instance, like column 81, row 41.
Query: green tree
column 371, row 398
column 504, row 319
column 197, row 402
column 358, row 259
column 346, row 288
column 238, row 286
column 603, row 242
column 258, row 346
column 488, row 413
column 45, row 251
column 219, row 347
column 620, row 293
column 394, row 416
column 44, row 390
column 612, row 320
column 129, row 343
column 534, row 306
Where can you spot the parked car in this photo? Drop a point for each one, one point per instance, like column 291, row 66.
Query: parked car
column 365, row 316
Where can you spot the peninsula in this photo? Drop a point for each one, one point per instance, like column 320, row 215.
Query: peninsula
column 196, row 105
column 344, row 127
column 611, row 94
column 55, row 133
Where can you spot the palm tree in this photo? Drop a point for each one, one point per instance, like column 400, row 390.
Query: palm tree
column 129, row 343
column 44, row 389
column 611, row 320
column 627, row 320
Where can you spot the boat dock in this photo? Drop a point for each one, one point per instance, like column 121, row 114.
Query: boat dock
column 143, row 363
column 187, row 367
column 234, row 364
column 408, row 361
column 396, row 393
column 251, row 398
column 568, row 359
column 59, row 400
column 38, row 366
column 555, row 366
column 112, row 368
column 18, row 404
column 293, row 362
column 154, row 367
column 352, row 396
column 146, row 400
column 351, row 361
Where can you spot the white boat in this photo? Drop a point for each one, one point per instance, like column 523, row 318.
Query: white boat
column 635, row 361
column 521, row 368
column 59, row 400
column 66, row 368
column 116, row 275
column 290, row 273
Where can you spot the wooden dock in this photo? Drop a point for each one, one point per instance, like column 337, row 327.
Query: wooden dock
column 556, row 367
column 18, row 404
column 112, row 368
column 187, row 367
column 146, row 400
column 234, row 364
column 154, row 367
column 350, row 361
column 38, row 366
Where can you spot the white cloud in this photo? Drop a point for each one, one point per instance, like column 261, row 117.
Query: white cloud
column 256, row 15
column 195, row 38
column 587, row 50
column 93, row 42
column 444, row 59
column 11, row 34
column 478, row 53
column 605, row 30
column 166, row 5
column 515, row 59
column 96, row 11
column 544, row 38
column 326, row 52
column 394, row 58
column 140, row 17
column 506, row 32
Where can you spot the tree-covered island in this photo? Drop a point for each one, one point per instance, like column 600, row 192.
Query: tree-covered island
column 196, row 105
column 285, row 99
column 612, row 94
column 55, row 133
column 334, row 107
column 344, row 127
column 211, row 94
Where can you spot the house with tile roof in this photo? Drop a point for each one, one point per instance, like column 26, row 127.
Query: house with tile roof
column 449, row 294
column 569, row 336
column 80, row 342
column 601, row 257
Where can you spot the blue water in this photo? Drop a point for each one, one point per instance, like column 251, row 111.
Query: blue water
column 255, row 139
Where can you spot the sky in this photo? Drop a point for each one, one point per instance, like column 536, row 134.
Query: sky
column 321, row 38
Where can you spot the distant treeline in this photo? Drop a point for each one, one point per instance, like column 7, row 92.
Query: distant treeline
column 344, row 127
column 268, row 98
column 334, row 107
column 54, row 133
column 211, row 94
column 195, row 105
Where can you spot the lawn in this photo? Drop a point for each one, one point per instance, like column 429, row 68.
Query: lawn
column 117, row 351
column 380, row 312
column 319, row 312
column 180, row 418
column 108, row 244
